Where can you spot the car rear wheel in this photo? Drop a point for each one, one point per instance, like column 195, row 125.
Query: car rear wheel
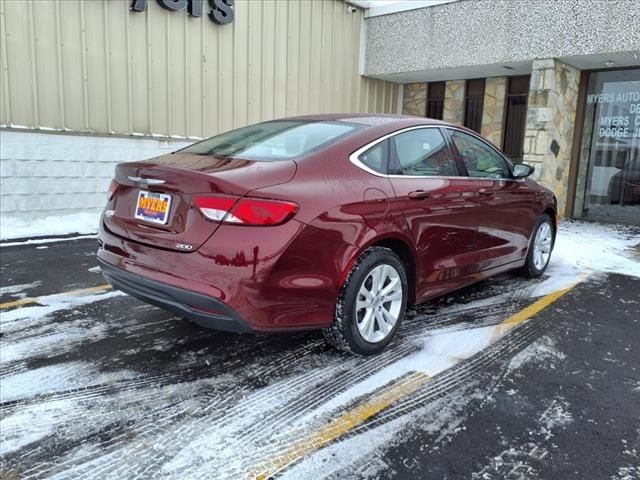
column 371, row 304
column 540, row 248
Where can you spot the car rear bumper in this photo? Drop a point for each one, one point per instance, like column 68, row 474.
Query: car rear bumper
column 287, row 278
column 201, row 309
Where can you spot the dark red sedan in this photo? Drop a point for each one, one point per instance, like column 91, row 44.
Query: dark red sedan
column 333, row 222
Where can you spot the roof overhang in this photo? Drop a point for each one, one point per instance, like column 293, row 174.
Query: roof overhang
column 375, row 8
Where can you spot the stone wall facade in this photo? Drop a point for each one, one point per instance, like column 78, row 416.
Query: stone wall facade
column 414, row 100
column 495, row 94
column 551, row 116
column 453, row 111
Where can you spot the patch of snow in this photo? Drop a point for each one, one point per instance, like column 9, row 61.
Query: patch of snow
column 33, row 424
column 53, row 339
column 362, row 456
column 19, row 289
column 542, row 351
column 556, row 415
column 592, row 246
column 530, row 448
column 27, row 316
column 439, row 351
column 81, row 223
column 53, row 378
column 39, row 241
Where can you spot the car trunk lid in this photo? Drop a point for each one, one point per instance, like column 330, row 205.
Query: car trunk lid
column 180, row 177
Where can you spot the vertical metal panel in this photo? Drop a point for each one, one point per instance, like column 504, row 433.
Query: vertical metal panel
column 267, row 61
column 71, row 58
column 5, row 108
column 240, row 29
column 117, row 54
column 20, row 83
column 95, row 66
column 95, row 61
column 281, row 19
column 46, row 66
column 253, row 84
column 294, row 40
column 140, row 85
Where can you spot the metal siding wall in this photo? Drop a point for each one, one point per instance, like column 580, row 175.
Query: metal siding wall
column 94, row 66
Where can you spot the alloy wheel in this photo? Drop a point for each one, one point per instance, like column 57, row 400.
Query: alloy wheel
column 542, row 246
column 378, row 303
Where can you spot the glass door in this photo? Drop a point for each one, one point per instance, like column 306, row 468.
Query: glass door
column 608, row 187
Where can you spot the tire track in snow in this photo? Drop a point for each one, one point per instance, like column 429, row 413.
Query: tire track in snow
column 151, row 424
column 451, row 379
column 223, row 402
column 342, row 378
column 283, row 417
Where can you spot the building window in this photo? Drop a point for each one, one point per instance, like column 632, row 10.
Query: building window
column 515, row 118
column 608, row 183
column 435, row 100
column 473, row 102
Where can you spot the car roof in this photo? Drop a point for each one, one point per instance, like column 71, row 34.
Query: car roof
column 370, row 119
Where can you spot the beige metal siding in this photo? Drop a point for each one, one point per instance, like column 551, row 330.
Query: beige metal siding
column 95, row 66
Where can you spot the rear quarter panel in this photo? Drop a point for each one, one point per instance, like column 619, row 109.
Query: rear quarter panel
column 345, row 204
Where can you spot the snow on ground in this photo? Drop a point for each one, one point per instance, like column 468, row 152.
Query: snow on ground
column 19, row 291
column 221, row 422
column 81, row 223
column 592, row 246
column 20, row 318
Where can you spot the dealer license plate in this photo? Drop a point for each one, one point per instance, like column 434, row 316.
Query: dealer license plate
column 153, row 207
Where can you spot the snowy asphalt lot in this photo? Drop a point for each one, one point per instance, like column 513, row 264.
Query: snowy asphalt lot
column 95, row 384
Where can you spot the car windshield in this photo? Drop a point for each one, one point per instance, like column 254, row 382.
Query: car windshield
column 275, row 140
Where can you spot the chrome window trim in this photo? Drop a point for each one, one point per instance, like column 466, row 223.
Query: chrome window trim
column 354, row 158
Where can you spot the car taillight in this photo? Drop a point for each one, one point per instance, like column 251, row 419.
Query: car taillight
column 113, row 186
column 245, row 211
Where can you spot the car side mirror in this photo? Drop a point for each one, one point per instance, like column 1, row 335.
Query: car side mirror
column 521, row 170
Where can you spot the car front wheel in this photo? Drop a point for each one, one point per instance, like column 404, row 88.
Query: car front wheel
column 540, row 247
column 371, row 304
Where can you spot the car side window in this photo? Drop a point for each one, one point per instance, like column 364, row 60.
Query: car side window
column 422, row 152
column 375, row 157
column 480, row 159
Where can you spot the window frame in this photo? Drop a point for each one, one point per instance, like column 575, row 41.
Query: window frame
column 354, row 158
column 385, row 158
column 433, row 101
column 469, row 99
column 458, row 155
column 393, row 156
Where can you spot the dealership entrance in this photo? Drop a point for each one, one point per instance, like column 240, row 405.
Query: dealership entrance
column 608, row 181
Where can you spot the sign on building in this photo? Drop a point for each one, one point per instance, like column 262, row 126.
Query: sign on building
column 220, row 11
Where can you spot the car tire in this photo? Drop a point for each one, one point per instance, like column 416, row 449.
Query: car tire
column 360, row 325
column 540, row 247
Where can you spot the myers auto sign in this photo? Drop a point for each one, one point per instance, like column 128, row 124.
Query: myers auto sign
column 219, row 11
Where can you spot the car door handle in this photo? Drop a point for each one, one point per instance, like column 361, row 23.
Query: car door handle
column 486, row 191
column 418, row 194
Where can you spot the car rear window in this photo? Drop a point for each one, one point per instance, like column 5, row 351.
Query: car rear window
column 277, row 140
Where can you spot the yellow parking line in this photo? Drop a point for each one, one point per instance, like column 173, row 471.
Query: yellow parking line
column 379, row 401
column 529, row 311
column 31, row 300
column 341, row 425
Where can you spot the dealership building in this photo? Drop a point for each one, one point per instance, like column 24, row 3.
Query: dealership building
column 87, row 84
